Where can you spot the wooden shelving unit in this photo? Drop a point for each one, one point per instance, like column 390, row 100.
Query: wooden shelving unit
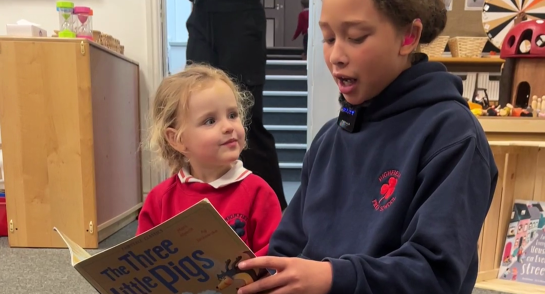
column 468, row 60
column 72, row 148
column 461, row 64
column 514, row 128
column 504, row 286
column 518, row 146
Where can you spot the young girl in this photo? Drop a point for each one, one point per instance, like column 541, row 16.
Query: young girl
column 197, row 128
column 395, row 191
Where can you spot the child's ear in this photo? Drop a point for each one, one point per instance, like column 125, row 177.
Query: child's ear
column 174, row 141
column 411, row 38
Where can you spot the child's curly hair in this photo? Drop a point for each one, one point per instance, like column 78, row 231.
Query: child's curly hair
column 171, row 103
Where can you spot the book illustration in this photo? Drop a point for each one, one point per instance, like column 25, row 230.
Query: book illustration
column 232, row 273
column 182, row 255
column 523, row 257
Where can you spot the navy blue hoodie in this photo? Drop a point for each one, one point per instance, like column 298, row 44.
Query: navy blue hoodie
column 398, row 206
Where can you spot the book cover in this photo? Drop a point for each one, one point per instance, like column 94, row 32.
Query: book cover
column 195, row 252
column 523, row 258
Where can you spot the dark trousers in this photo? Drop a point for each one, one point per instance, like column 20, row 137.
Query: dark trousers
column 234, row 41
column 305, row 43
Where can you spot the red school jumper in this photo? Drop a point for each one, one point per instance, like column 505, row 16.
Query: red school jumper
column 246, row 202
column 302, row 24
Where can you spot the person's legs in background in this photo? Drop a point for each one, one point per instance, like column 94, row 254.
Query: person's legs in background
column 199, row 44
column 260, row 157
column 239, row 39
column 305, row 46
column 234, row 41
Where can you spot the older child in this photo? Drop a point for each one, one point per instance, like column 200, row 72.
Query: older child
column 302, row 27
column 395, row 191
column 197, row 128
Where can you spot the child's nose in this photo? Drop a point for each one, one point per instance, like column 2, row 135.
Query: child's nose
column 228, row 127
column 338, row 56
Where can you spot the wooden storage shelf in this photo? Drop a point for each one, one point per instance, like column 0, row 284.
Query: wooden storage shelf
column 518, row 146
column 461, row 64
column 504, row 286
column 472, row 60
column 71, row 151
column 513, row 128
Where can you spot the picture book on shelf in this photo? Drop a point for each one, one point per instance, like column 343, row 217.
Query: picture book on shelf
column 195, row 252
column 523, row 257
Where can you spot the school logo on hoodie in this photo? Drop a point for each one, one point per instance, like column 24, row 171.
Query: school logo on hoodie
column 388, row 182
column 237, row 222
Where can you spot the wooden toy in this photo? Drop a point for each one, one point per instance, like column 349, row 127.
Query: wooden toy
column 506, row 111
column 534, row 105
column 523, row 50
column 541, row 107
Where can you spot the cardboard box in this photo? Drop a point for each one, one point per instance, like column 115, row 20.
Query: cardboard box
column 25, row 30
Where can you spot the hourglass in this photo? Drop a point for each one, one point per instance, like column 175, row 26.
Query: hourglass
column 66, row 20
column 83, row 22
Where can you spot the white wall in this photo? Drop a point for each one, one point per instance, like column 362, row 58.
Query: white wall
column 126, row 20
column 322, row 90
column 177, row 13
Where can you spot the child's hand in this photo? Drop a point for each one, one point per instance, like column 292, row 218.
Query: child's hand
column 293, row 276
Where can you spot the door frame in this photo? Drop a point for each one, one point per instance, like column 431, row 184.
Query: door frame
column 280, row 25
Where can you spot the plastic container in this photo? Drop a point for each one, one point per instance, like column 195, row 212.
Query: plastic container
column 91, row 23
column 3, row 216
column 66, row 19
column 83, row 22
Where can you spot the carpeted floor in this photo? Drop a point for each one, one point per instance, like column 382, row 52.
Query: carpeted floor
column 45, row 271
column 48, row 271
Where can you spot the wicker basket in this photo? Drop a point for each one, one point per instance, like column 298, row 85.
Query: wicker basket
column 96, row 36
column 435, row 48
column 467, row 46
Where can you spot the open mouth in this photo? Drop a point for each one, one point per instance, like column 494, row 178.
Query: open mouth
column 346, row 84
column 347, row 81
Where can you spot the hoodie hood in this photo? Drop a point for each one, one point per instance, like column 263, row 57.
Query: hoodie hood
column 424, row 83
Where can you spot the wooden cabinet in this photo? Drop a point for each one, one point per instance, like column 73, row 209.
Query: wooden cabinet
column 69, row 111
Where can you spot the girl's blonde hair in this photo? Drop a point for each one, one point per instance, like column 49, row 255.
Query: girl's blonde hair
column 172, row 99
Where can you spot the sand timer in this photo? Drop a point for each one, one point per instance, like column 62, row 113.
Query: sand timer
column 83, row 22
column 66, row 20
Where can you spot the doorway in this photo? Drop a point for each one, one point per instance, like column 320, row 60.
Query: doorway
column 274, row 11
column 523, row 95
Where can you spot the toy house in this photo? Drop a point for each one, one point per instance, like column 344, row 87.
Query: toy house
column 535, row 217
column 523, row 50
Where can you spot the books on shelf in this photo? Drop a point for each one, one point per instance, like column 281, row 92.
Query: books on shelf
column 523, row 258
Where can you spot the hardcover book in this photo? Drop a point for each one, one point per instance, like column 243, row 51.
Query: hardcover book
column 195, row 252
column 523, row 258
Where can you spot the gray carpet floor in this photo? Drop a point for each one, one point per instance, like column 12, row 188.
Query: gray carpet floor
column 45, row 271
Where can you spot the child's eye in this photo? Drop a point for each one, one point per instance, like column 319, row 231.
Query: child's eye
column 328, row 41
column 358, row 40
column 233, row 115
column 209, row 121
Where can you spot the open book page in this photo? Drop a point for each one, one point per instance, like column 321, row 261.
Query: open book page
column 194, row 252
column 77, row 253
